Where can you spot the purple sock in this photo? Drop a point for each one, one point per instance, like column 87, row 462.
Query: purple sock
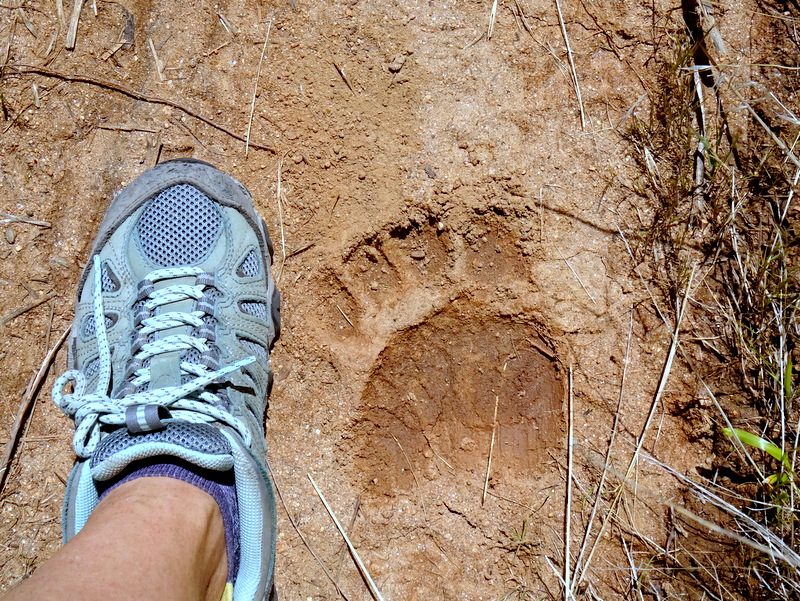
column 219, row 485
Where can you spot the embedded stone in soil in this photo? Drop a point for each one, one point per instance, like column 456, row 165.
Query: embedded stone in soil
column 431, row 396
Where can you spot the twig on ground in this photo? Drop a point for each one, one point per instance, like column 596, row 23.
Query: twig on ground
column 491, row 450
column 135, row 95
column 26, row 308
column 24, row 409
column 255, row 92
column 340, row 71
column 123, row 127
column 216, row 49
column 373, row 589
column 8, row 218
column 300, row 249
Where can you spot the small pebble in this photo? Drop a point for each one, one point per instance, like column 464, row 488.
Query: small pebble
column 417, row 254
column 11, row 235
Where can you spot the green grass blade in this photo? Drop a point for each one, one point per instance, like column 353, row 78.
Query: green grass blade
column 759, row 443
column 787, row 379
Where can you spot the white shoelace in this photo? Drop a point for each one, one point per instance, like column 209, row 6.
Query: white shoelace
column 91, row 410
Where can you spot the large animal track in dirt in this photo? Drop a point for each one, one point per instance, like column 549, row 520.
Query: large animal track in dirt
column 420, row 295
column 429, row 403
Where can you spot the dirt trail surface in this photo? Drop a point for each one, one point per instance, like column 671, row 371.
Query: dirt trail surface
column 450, row 240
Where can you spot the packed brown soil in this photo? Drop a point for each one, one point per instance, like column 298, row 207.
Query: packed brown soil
column 450, row 242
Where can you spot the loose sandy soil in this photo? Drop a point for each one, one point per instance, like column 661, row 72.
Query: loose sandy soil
column 449, row 238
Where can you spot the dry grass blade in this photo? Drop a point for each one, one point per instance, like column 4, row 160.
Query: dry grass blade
column 373, row 589
column 582, row 566
column 568, row 501
column 60, row 13
column 665, row 372
column 491, row 450
column 341, row 73
column 72, row 31
column 575, row 274
column 279, row 195
column 9, row 218
column 772, row 545
column 632, row 564
column 158, row 63
column 345, row 316
column 255, row 93
column 492, row 18
column 575, row 82
column 780, row 143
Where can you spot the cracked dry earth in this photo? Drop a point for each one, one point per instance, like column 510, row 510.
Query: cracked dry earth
column 447, row 246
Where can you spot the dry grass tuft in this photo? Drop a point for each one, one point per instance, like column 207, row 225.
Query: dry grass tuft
column 718, row 180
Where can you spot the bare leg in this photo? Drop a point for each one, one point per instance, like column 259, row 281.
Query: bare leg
column 151, row 538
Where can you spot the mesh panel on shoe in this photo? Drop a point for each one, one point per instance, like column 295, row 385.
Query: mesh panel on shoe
column 179, row 226
column 254, row 349
column 191, row 356
column 202, row 438
column 89, row 326
column 108, row 279
column 92, row 368
column 254, row 308
column 250, row 267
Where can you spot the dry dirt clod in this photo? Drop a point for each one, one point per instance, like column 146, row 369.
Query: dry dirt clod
column 397, row 63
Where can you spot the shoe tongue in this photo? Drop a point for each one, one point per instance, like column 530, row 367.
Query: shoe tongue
column 200, row 444
column 165, row 369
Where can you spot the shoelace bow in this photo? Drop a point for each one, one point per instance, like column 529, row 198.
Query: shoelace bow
column 91, row 410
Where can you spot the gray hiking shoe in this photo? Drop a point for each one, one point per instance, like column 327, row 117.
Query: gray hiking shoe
column 169, row 350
